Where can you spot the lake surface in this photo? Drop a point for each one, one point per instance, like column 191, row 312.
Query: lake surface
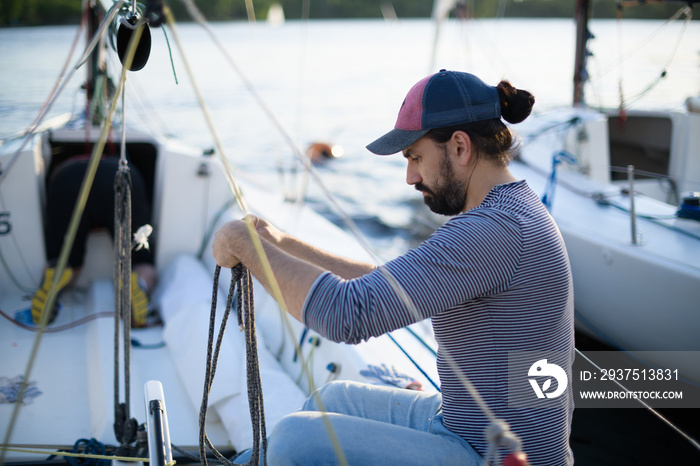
column 342, row 82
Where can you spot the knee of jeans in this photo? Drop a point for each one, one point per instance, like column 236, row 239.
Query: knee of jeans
column 327, row 392
column 293, row 437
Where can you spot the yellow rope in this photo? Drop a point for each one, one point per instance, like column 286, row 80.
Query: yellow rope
column 257, row 244
column 77, row 455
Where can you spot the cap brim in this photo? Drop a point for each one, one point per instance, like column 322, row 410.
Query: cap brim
column 395, row 141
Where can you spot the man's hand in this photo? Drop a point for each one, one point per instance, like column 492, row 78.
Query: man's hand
column 266, row 230
column 235, row 235
column 227, row 241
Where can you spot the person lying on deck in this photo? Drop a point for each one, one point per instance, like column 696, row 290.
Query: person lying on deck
column 494, row 279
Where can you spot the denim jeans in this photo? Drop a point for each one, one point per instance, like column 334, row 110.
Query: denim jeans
column 372, row 424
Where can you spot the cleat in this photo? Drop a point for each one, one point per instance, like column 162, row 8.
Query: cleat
column 39, row 298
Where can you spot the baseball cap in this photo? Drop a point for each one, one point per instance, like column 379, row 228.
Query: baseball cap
column 446, row 98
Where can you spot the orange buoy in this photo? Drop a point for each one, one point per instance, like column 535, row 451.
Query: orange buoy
column 320, row 151
column 516, row 459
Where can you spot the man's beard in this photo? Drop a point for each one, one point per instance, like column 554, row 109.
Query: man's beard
column 450, row 196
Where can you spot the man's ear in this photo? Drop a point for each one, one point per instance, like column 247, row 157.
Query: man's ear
column 463, row 146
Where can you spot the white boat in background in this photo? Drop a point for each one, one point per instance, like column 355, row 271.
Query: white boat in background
column 620, row 185
column 632, row 240
column 275, row 15
column 70, row 367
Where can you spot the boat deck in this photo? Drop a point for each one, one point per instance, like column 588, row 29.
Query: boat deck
column 74, row 370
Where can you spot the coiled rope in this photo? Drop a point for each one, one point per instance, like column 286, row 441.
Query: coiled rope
column 88, row 447
column 241, row 279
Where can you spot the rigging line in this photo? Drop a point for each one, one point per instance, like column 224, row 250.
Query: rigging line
column 303, row 188
column 414, row 362
column 59, row 328
column 61, row 75
column 10, row 273
column 72, row 229
column 267, row 269
column 641, row 45
column 691, row 440
column 126, row 433
column 688, row 16
column 620, row 87
column 197, row 16
column 349, row 223
column 228, row 170
column 122, row 297
column 55, row 93
column 109, row 17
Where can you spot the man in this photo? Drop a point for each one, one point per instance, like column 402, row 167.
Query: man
column 495, row 280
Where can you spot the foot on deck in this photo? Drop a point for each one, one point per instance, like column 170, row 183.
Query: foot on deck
column 139, row 302
column 41, row 295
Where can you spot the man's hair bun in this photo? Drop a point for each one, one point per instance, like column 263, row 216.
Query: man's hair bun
column 516, row 104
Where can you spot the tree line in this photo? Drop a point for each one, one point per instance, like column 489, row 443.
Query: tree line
column 57, row 12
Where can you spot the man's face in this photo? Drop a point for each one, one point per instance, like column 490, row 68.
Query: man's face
column 431, row 171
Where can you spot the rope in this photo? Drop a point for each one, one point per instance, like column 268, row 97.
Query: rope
column 627, row 103
column 124, row 426
column 245, row 311
column 58, row 328
column 73, row 455
column 90, row 447
column 415, row 363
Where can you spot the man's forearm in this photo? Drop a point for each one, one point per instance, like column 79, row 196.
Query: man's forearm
column 338, row 265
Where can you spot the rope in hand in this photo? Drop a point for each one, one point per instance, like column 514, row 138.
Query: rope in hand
column 241, row 278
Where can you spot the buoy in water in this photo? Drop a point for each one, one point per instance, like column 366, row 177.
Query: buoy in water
column 320, row 151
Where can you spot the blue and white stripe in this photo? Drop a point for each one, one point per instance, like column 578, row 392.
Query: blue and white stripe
column 494, row 280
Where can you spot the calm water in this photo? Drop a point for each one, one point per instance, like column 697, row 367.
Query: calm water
column 342, row 82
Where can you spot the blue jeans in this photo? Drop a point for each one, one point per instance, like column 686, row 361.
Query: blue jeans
column 373, row 425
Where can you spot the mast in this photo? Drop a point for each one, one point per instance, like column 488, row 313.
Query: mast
column 582, row 36
column 95, row 64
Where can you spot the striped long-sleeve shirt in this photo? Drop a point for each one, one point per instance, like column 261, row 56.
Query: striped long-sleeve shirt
column 495, row 281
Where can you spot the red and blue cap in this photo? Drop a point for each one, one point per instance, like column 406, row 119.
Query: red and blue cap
column 446, row 98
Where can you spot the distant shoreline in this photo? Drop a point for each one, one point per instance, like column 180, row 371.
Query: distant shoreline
column 27, row 13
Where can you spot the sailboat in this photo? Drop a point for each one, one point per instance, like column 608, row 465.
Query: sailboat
column 66, row 387
column 622, row 185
